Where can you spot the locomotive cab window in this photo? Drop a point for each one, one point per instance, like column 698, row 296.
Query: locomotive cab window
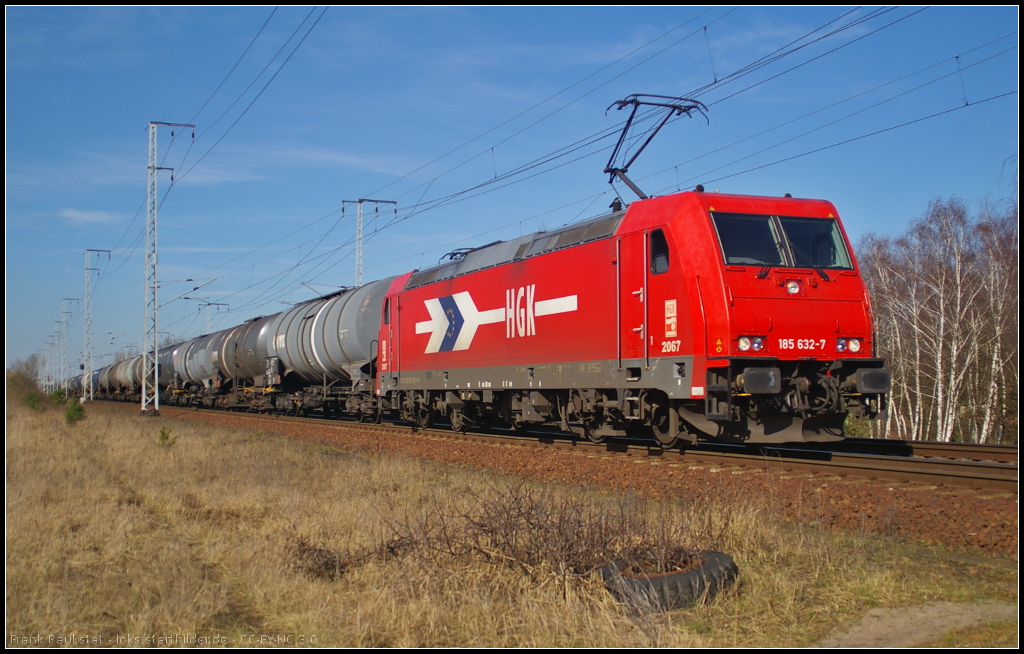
column 816, row 243
column 748, row 240
column 659, row 252
column 387, row 311
column 782, row 241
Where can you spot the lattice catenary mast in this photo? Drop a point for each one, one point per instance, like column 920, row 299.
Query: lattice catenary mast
column 64, row 342
column 87, row 389
column 359, row 231
column 150, row 331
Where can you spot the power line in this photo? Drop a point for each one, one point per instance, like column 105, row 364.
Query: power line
column 249, row 47
column 611, row 131
column 167, row 192
column 778, row 54
column 272, row 78
column 537, row 105
column 847, row 99
column 864, row 136
column 542, row 102
column 323, row 258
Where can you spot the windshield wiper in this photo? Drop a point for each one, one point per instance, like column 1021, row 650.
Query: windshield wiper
column 818, row 269
column 768, row 265
column 794, row 251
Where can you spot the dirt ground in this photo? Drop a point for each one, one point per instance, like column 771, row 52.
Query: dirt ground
column 918, row 625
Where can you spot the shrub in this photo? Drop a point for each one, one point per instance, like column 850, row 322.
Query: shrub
column 857, row 427
column 165, row 440
column 568, row 534
column 21, row 384
column 35, row 400
column 74, row 411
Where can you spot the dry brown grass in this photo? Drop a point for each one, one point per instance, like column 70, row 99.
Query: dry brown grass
column 113, row 530
column 996, row 634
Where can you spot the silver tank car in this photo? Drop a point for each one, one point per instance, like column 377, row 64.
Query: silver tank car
column 165, row 357
column 199, row 364
column 107, row 379
column 135, row 372
column 329, row 336
column 243, row 350
column 178, row 359
column 122, row 373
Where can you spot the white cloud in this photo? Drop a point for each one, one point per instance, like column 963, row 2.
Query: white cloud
column 76, row 216
column 319, row 155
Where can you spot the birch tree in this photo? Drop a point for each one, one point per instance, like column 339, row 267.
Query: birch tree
column 945, row 297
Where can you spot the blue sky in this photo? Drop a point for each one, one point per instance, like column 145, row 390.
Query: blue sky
column 897, row 108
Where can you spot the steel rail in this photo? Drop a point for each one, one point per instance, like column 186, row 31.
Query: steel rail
column 985, row 476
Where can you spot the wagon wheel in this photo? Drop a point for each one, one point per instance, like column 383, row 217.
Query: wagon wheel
column 460, row 423
column 660, row 425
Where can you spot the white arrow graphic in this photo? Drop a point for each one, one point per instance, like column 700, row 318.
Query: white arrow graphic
column 436, row 326
column 454, row 319
column 473, row 319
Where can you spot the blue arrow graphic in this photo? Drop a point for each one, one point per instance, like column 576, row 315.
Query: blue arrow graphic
column 455, row 322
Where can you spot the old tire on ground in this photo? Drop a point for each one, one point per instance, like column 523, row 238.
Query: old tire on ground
column 672, row 590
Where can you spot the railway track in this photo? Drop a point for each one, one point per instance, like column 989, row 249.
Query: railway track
column 882, row 446
column 985, row 468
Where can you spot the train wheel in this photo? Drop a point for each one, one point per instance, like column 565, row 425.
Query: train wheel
column 661, row 423
column 590, row 430
column 424, row 416
column 459, row 421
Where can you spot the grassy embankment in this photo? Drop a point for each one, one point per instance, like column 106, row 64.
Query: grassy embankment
column 118, row 526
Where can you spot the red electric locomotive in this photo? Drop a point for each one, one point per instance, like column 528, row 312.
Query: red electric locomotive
column 694, row 315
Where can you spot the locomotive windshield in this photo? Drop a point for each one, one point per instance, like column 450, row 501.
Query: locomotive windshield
column 749, row 239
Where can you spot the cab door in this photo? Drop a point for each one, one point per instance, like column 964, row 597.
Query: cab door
column 669, row 320
column 631, row 287
column 386, row 349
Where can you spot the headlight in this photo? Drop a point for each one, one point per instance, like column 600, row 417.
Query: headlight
column 841, row 345
column 747, row 343
column 854, row 344
column 792, row 287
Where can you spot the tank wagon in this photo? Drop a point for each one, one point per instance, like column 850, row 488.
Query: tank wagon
column 683, row 317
